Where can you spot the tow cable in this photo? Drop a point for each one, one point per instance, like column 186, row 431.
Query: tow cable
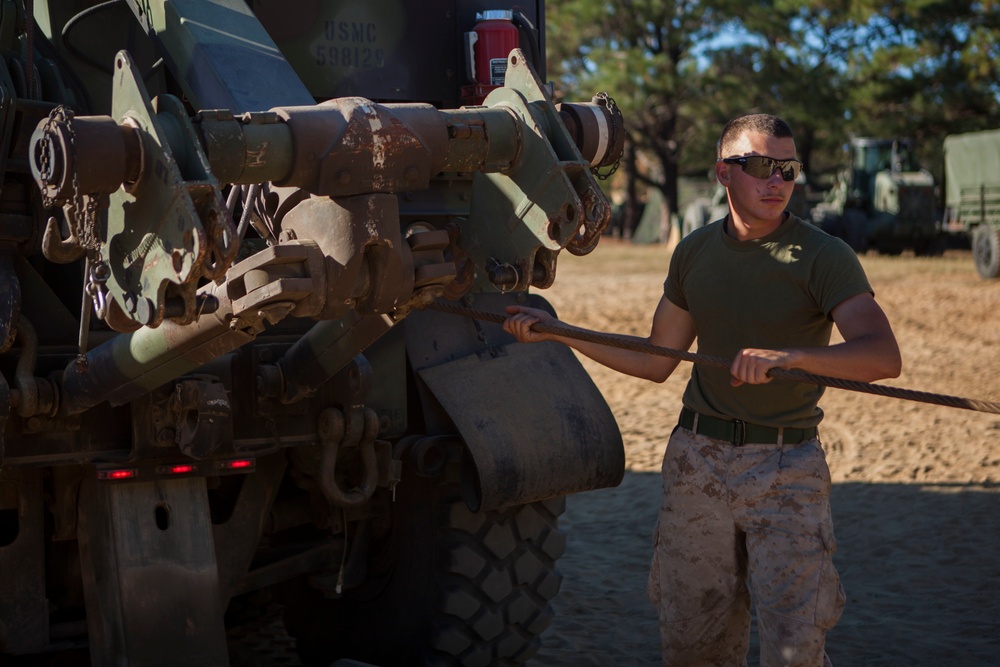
column 719, row 362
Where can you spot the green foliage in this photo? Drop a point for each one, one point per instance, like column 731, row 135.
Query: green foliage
column 832, row 68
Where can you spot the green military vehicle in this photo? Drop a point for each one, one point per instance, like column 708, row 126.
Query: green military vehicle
column 224, row 387
column 972, row 194
column 882, row 200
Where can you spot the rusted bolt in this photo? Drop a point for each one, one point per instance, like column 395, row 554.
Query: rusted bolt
column 411, row 173
column 504, row 276
column 344, row 177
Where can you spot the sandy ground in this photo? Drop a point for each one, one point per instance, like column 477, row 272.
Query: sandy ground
column 917, row 487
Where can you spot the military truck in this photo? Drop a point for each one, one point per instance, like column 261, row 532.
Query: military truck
column 972, row 194
column 882, row 200
column 225, row 389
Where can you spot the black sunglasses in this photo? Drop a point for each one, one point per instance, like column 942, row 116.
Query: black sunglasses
column 762, row 167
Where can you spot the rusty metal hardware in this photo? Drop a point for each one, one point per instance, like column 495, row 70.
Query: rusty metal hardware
column 598, row 130
column 335, row 250
column 166, row 229
column 533, row 193
column 32, row 395
column 201, row 412
column 338, row 431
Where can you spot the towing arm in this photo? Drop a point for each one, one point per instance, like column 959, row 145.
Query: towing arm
column 164, row 266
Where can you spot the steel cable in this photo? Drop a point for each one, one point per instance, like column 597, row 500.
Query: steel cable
column 719, row 362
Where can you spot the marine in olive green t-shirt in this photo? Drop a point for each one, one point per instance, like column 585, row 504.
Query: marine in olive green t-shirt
column 769, row 293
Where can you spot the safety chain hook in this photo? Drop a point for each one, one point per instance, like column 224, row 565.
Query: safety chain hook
column 57, row 142
column 96, row 287
column 54, row 158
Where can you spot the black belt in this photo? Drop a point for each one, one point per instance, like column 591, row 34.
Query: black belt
column 738, row 432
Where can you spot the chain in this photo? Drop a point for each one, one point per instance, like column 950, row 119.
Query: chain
column 44, row 151
column 82, row 208
column 81, row 211
column 96, row 287
column 612, row 106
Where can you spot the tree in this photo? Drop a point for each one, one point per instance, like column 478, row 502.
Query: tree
column 680, row 70
column 927, row 69
column 641, row 51
column 832, row 68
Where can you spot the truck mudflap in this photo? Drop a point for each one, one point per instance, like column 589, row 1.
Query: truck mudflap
column 534, row 423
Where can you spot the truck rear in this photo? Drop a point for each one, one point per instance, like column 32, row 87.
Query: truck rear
column 972, row 194
column 222, row 389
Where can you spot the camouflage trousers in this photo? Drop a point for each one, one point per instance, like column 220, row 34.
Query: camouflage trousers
column 738, row 523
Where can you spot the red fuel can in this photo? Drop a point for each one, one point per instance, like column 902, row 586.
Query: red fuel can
column 487, row 47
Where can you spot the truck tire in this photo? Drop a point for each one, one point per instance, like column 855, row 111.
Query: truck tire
column 501, row 578
column 855, row 229
column 464, row 589
column 986, row 250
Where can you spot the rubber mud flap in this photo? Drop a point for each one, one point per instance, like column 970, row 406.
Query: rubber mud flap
column 534, row 423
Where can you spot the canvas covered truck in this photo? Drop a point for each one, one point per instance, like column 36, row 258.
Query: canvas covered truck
column 224, row 389
column 972, row 194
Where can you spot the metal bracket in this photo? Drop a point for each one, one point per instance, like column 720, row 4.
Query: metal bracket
column 547, row 199
column 169, row 229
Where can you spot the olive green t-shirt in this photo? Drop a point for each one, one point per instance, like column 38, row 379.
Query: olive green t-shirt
column 768, row 293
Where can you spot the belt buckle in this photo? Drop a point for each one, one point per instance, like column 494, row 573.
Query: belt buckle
column 739, row 432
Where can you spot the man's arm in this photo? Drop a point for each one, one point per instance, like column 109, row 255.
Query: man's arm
column 672, row 327
column 869, row 351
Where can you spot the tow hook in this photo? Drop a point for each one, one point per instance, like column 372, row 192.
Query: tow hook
column 358, row 430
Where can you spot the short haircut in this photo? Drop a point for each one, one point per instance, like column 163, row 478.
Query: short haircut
column 766, row 124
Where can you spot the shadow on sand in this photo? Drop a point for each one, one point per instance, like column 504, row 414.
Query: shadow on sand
column 920, row 565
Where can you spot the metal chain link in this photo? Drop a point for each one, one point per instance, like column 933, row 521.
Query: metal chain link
column 82, row 208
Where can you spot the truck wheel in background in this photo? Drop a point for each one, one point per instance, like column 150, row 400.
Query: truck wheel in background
column 986, row 250
column 855, row 229
column 890, row 247
column 461, row 588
